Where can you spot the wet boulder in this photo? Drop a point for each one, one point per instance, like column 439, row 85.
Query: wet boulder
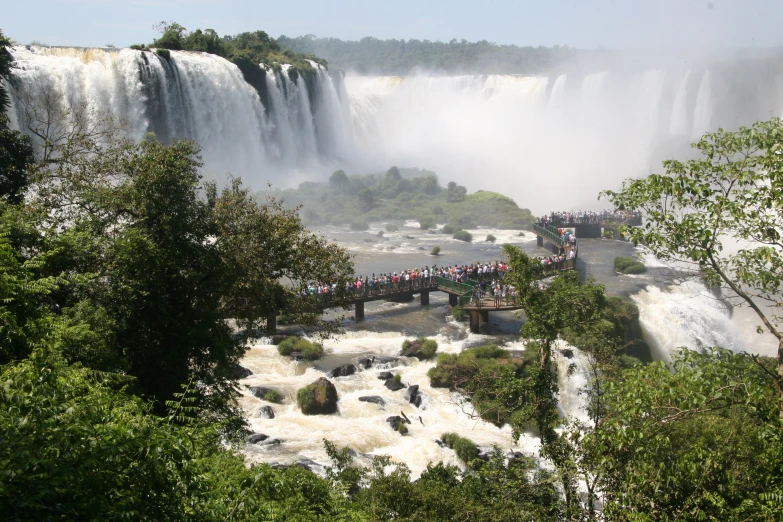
column 240, row 372
column 567, row 353
column 378, row 361
column 255, row 438
column 265, row 393
column 375, row 399
column 385, row 375
column 394, row 385
column 342, row 371
column 413, row 396
column 266, row 412
column 317, row 398
column 395, row 421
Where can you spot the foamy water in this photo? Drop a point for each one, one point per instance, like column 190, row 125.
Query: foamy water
column 361, row 425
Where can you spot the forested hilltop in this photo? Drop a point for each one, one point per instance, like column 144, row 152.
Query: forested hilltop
column 397, row 57
column 403, row 194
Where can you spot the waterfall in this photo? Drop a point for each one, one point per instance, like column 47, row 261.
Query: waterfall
column 679, row 121
column 702, row 115
column 196, row 96
column 517, row 134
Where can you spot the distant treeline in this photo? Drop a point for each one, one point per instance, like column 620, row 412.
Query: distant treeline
column 398, row 57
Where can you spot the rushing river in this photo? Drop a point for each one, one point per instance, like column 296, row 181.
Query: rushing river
column 670, row 315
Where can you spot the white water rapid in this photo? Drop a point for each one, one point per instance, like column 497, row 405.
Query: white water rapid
column 362, row 425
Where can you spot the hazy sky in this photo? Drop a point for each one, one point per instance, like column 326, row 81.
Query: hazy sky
column 631, row 24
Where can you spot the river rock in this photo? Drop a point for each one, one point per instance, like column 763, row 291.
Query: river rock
column 412, row 350
column 413, row 396
column 567, row 353
column 255, row 438
column 240, row 372
column 394, row 385
column 385, row 375
column 342, row 371
column 378, row 361
column 266, row 412
column 261, row 391
column 375, row 399
column 320, row 397
column 395, row 421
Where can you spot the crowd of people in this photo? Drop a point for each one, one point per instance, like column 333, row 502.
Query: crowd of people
column 489, row 276
column 581, row 217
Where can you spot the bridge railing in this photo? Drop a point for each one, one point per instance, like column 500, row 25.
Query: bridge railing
column 552, row 236
column 455, row 286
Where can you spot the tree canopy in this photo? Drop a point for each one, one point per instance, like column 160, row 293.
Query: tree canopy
column 722, row 216
column 399, row 57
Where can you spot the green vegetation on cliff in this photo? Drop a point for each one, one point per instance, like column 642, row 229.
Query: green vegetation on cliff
column 403, row 194
column 398, row 57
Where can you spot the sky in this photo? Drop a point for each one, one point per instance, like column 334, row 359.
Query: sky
column 586, row 24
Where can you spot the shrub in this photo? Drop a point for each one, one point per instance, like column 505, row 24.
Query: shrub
column 427, row 349
column 286, row 346
column 491, row 238
column 359, row 224
column 482, row 373
column 465, row 449
column 163, row 53
column 273, row 396
column 435, row 251
column 426, row 222
column 397, row 378
column 402, row 429
column 463, row 235
column 628, row 265
column 422, row 348
column 448, row 229
column 458, row 313
column 391, row 227
column 310, row 351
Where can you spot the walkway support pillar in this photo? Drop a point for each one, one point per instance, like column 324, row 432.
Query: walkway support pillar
column 475, row 321
column 425, row 297
column 359, row 311
column 539, row 241
column 484, row 316
column 271, row 324
column 453, row 300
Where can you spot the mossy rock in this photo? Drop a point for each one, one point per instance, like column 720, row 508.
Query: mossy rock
column 309, row 350
column 318, row 398
column 421, row 348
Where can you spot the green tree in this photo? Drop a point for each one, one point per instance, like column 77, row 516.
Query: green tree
column 174, row 260
column 339, row 182
column 16, row 151
column 366, row 200
column 732, row 195
column 173, row 36
column 699, row 440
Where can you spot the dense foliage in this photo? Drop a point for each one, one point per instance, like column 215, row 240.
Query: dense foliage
column 243, row 49
column 731, row 195
column 397, row 57
column 403, row 194
column 629, row 265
